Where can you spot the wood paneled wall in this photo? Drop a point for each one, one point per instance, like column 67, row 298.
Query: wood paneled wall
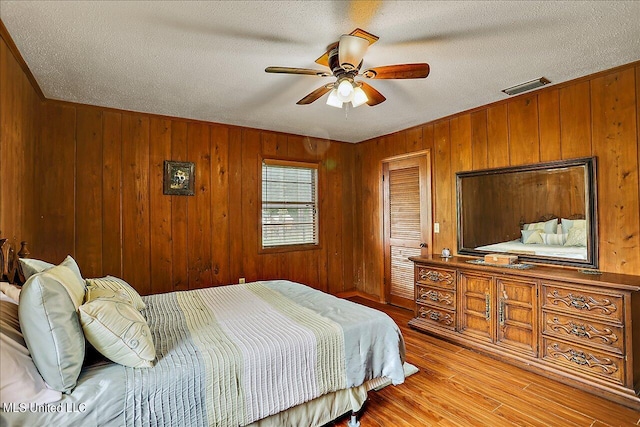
column 87, row 181
column 20, row 118
column 100, row 198
column 592, row 116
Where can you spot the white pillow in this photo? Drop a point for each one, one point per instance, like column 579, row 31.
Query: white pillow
column 118, row 331
column 32, row 266
column 118, row 286
column 20, row 381
column 49, row 320
column 554, row 239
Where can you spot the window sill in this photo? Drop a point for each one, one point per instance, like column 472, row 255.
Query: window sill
column 288, row 248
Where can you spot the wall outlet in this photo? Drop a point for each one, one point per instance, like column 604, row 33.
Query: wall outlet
column 241, row 281
column 436, row 227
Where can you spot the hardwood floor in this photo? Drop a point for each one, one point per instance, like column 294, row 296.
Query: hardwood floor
column 459, row 387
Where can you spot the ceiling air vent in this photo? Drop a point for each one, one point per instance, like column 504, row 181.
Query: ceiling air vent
column 523, row 87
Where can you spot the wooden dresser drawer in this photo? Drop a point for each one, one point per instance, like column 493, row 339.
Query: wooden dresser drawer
column 586, row 332
column 436, row 277
column 594, row 304
column 437, row 316
column 577, row 358
column 442, row 298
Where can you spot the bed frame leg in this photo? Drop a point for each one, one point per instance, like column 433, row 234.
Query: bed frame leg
column 353, row 422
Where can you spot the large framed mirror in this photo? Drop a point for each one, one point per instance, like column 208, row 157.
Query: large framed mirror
column 545, row 212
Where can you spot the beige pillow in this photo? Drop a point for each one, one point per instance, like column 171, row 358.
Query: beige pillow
column 532, row 237
column 576, row 237
column 118, row 287
column 118, row 331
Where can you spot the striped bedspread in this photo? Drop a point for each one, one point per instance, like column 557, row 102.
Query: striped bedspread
column 232, row 355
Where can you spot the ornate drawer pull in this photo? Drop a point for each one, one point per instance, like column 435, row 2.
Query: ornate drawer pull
column 436, row 296
column 581, row 302
column 435, row 276
column 443, row 318
column 607, row 336
column 583, row 359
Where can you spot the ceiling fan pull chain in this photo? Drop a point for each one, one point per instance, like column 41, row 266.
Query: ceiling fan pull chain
column 346, row 110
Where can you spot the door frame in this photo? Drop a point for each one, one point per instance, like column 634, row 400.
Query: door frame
column 386, row 273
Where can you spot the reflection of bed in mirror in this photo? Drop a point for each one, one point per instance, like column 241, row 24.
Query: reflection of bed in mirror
column 499, row 209
column 554, row 244
column 516, row 247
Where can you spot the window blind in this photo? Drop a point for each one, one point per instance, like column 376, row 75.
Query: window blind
column 289, row 204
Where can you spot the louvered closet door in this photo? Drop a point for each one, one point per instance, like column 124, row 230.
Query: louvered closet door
column 407, row 224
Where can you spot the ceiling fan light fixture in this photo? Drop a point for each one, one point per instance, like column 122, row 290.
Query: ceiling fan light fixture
column 345, row 91
column 359, row 97
column 333, row 99
column 351, row 50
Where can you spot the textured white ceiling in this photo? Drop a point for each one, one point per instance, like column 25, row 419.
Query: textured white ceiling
column 206, row 60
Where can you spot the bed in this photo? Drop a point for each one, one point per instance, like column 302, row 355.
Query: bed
column 271, row 353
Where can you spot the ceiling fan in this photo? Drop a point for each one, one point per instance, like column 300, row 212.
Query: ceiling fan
column 344, row 59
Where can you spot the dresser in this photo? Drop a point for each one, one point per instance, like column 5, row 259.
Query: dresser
column 578, row 328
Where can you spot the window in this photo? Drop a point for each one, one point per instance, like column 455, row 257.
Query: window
column 289, row 203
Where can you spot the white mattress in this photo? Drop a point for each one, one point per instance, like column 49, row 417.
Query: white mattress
column 517, row 247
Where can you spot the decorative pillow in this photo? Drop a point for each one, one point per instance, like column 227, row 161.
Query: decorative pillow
column 119, row 287
column 568, row 224
column 12, row 291
column 118, row 331
column 21, row 381
column 50, row 324
column 550, row 226
column 576, row 237
column 32, row 266
column 554, row 239
column 532, row 237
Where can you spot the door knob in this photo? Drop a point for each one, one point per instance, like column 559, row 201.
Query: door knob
column 423, row 245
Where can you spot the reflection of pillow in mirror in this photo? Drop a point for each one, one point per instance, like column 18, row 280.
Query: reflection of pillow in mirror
column 554, row 239
column 550, row 226
column 568, row 224
column 577, row 237
column 532, row 237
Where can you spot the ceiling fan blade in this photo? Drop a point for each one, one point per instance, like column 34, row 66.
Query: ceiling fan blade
column 374, row 97
column 324, row 59
column 400, row 71
column 303, row 71
column 358, row 32
column 313, row 96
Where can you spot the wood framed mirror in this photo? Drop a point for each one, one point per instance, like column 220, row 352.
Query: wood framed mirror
column 545, row 212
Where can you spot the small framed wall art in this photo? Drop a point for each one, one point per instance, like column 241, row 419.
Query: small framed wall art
column 179, row 178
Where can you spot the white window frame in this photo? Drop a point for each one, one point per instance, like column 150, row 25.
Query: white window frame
column 313, row 243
